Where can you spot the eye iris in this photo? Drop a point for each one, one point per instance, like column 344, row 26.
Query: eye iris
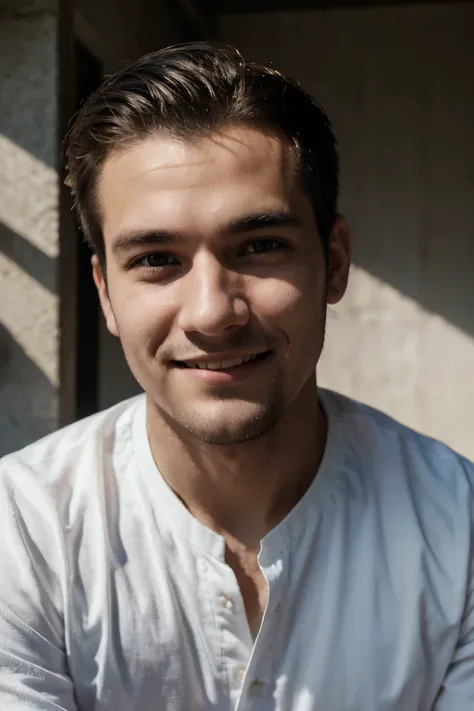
column 156, row 260
column 263, row 246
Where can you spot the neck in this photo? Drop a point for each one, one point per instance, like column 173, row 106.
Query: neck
column 243, row 491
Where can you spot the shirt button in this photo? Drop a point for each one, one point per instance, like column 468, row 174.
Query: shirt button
column 240, row 674
column 256, row 687
column 226, row 603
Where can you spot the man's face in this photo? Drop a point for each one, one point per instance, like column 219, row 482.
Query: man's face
column 216, row 282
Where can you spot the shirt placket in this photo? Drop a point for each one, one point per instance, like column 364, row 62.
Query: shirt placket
column 234, row 642
column 256, row 689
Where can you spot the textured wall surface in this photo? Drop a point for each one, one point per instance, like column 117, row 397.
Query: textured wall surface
column 29, row 197
column 117, row 32
column 28, row 223
column 397, row 83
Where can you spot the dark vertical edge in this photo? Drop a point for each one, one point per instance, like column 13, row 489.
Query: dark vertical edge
column 88, row 79
column 67, row 269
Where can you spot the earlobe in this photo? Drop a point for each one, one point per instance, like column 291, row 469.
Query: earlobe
column 339, row 260
column 103, row 293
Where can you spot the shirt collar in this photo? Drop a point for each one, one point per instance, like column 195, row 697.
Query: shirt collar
column 304, row 515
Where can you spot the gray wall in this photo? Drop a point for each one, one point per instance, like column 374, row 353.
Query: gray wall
column 28, row 223
column 398, row 85
column 29, row 193
column 116, row 32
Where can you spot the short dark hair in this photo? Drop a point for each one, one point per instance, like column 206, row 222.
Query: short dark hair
column 190, row 90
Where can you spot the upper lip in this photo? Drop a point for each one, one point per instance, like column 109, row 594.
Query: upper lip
column 219, row 357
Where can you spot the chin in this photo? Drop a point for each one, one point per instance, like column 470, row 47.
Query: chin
column 235, row 426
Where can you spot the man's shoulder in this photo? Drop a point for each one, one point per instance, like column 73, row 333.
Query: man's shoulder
column 385, row 440
column 57, row 484
column 82, row 444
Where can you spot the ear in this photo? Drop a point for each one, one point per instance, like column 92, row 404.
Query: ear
column 339, row 258
column 102, row 290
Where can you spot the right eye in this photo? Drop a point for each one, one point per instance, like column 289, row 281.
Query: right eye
column 155, row 260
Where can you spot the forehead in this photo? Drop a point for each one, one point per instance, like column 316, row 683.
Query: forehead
column 163, row 182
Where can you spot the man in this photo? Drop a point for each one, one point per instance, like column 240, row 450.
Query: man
column 235, row 538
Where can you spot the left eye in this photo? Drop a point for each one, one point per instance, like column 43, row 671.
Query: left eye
column 262, row 246
column 157, row 260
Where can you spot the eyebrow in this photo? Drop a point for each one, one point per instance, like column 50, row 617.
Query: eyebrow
column 127, row 241
column 260, row 221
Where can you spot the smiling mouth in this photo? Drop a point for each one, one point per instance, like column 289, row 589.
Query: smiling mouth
column 227, row 364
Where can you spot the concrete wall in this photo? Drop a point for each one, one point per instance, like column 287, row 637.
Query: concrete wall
column 28, row 223
column 116, row 32
column 29, row 194
column 397, row 83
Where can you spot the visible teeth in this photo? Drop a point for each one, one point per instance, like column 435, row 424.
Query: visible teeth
column 224, row 364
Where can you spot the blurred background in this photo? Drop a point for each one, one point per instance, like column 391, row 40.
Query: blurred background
column 397, row 80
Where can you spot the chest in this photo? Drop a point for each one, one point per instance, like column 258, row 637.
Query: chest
column 345, row 628
column 252, row 585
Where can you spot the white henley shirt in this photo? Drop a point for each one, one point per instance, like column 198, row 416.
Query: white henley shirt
column 113, row 597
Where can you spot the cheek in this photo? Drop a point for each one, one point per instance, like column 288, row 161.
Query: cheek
column 288, row 305
column 298, row 312
column 144, row 316
column 274, row 298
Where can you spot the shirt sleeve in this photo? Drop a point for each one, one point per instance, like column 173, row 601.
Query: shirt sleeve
column 33, row 665
column 457, row 691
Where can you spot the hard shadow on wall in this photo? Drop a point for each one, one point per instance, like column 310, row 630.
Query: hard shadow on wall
column 445, row 278
column 382, row 196
column 29, row 394
column 435, row 274
column 40, row 267
column 447, row 241
column 397, row 83
column 27, row 398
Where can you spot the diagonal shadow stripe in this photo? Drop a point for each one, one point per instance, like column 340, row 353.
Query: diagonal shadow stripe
column 26, row 397
column 32, row 260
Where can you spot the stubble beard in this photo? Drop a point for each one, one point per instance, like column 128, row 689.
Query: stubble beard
column 244, row 427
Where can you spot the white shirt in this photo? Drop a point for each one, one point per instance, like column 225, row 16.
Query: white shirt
column 112, row 596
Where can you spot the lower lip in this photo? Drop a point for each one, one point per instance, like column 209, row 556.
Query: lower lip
column 232, row 375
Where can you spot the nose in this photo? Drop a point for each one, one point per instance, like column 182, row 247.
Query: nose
column 212, row 299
